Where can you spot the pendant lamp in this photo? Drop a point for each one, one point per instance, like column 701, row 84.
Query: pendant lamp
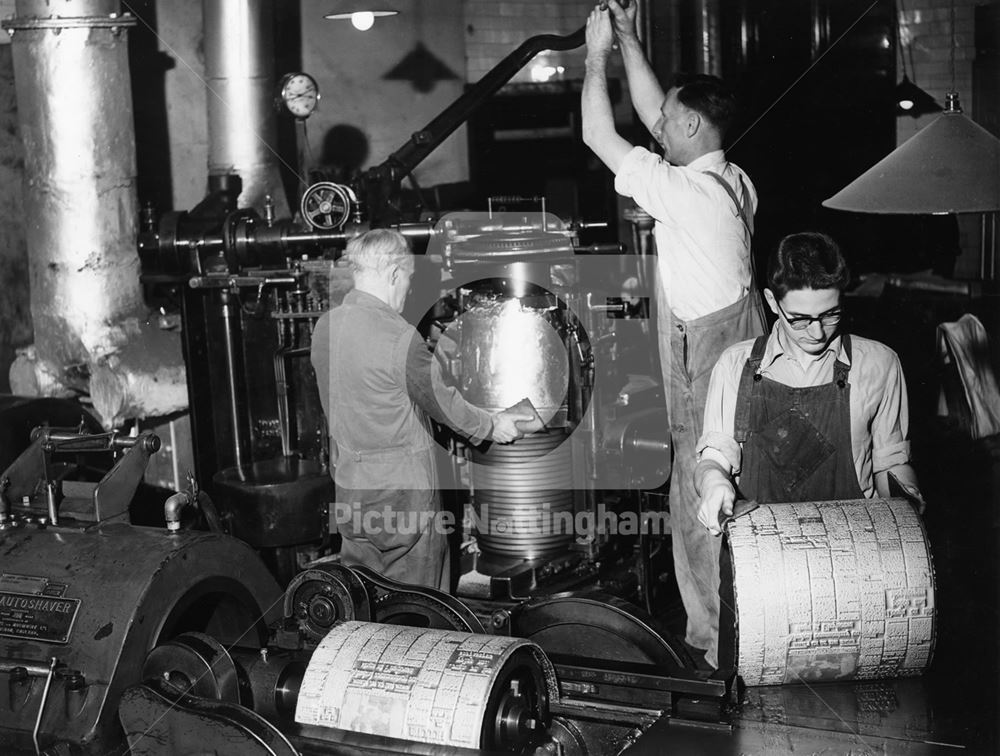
column 361, row 17
column 952, row 165
column 911, row 100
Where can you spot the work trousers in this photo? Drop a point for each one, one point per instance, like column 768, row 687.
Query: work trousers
column 688, row 352
column 389, row 535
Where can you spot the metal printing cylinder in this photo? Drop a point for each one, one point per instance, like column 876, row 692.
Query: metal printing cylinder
column 239, row 73
column 524, row 497
column 511, row 350
column 74, row 103
column 833, row 590
column 427, row 685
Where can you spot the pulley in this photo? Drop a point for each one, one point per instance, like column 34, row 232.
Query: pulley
column 327, row 206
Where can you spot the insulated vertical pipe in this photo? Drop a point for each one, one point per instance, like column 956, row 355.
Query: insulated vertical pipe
column 709, row 36
column 74, row 106
column 239, row 71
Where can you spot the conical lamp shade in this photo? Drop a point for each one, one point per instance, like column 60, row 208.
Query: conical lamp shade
column 952, row 165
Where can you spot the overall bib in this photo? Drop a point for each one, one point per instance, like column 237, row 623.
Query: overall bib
column 689, row 350
column 796, row 446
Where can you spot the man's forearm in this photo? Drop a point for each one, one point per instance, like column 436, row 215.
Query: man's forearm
column 644, row 89
column 595, row 102
column 599, row 131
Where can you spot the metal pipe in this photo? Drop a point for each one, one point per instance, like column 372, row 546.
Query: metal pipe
column 74, row 106
column 239, row 73
column 231, row 323
column 707, row 32
column 172, row 509
column 281, row 388
column 50, row 499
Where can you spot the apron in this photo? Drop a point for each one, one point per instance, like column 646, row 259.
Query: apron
column 796, row 447
column 689, row 350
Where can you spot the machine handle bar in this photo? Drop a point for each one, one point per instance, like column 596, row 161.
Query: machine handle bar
column 85, row 442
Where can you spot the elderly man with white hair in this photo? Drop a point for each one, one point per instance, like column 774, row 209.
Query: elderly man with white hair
column 379, row 385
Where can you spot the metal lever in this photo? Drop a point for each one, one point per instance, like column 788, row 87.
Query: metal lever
column 41, row 705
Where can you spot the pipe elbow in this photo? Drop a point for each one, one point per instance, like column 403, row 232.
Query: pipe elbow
column 172, row 509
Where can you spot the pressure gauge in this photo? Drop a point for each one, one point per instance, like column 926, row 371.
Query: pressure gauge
column 298, row 94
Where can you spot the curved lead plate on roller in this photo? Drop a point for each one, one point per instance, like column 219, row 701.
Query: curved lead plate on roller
column 833, row 590
column 429, row 685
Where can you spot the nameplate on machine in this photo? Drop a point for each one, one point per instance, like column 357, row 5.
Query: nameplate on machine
column 38, row 618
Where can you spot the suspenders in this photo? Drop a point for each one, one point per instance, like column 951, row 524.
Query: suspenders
column 742, row 208
column 745, row 212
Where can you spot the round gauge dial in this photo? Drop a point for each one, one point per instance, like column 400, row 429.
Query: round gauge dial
column 298, row 93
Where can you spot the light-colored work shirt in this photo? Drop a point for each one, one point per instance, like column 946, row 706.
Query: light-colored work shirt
column 879, row 413
column 703, row 246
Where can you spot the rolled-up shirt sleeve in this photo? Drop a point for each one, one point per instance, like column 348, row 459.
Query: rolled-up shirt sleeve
column 718, row 440
column 891, row 423
column 429, row 390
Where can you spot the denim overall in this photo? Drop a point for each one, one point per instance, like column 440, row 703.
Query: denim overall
column 796, row 447
column 689, row 350
column 796, row 441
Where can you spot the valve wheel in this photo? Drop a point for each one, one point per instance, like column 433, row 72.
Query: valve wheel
column 327, row 206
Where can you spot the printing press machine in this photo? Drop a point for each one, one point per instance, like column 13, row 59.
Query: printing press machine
column 227, row 627
column 179, row 640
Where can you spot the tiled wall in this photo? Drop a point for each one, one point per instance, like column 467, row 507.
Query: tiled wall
column 926, row 36
column 493, row 30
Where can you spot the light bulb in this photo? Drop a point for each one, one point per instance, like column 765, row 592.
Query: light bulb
column 363, row 20
column 906, row 104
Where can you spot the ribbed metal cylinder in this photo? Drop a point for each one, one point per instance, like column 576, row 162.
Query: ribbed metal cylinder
column 240, row 77
column 74, row 107
column 524, row 496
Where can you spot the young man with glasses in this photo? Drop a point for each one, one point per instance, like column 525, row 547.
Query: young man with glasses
column 806, row 413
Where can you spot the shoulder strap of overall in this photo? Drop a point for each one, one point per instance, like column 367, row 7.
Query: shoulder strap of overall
column 742, row 208
column 840, row 369
column 741, row 421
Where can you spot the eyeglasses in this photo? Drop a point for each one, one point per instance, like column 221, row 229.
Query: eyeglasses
column 826, row 319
